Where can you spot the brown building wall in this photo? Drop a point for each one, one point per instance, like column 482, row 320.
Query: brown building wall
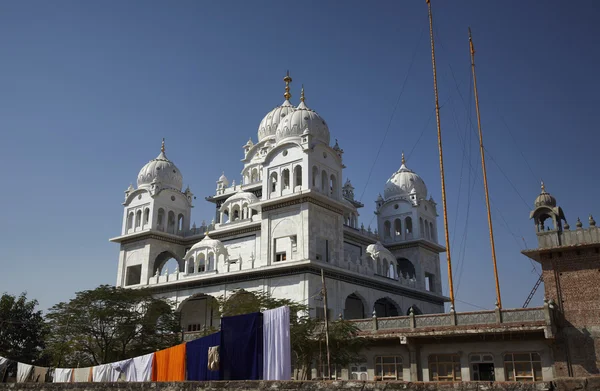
column 572, row 280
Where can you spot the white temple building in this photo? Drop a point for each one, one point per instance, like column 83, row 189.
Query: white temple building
column 289, row 218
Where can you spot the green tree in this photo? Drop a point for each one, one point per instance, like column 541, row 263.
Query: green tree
column 110, row 324
column 22, row 328
column 308, row 336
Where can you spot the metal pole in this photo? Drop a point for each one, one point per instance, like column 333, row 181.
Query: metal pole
column 439, row 133
column 326, row 325
column 485, row 184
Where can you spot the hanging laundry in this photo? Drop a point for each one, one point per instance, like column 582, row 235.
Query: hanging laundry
column 169, row 364
column 138, row 369
column 63, row 375
column 24, row 372
column 197, row 358
column 105, row 373
column 82, row 375
column 277, row 345
column 213, row 358
column 8, row 370
column 39, row 375
column 241, row 350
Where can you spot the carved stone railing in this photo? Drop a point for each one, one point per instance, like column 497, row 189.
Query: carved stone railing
column 525, row 315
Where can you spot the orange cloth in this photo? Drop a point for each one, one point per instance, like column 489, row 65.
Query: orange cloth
column 169, row 364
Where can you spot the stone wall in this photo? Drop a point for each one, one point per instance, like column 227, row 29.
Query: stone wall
column 580, row 384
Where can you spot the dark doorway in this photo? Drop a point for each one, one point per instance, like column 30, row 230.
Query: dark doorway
column 483, row 372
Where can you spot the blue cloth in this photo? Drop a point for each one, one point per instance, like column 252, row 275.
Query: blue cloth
column 242, row 347
column 197, row 357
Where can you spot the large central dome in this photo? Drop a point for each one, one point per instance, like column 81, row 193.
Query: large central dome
column 160, row 170
column 302, row 120
column 268, row 125
column 403, row 182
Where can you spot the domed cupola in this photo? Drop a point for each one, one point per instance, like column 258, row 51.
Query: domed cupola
column 545, row 199
column 160, row 170
column 303, row 120
column 268, row 125
column 404, row 182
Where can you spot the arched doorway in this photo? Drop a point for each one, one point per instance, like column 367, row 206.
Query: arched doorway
column 384, row 307
column 199, row 314
column 241, row 302
column 354, row 307
column 406, row 269
column 167, row 262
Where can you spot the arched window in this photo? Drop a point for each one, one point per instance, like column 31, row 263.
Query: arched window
column 421, row 227
column 405, row 268
column 384, row 307
column 273, row 182
column 333, row 186
column 160, row 219
column 130, row 221
column 427, row 234
column 408, row 225
column 254, row 175
column 387, row 226
column 211, row 262
column 285, row 178
column 201, row 263
column 386, row 268
column 138, row 218
column 315, row 175
column 225, row 216
column 180, row 223
column 190, row 265
column 354, row 307
column 431, row 231
column 298, row 175
column 146, row 216
column 324, row 184
column 397, row 228
column 236, row 213
column 171, row 222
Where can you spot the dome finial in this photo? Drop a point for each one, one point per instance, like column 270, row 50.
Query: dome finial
column 302, row 94
column 287, row 79
column 543, row 187
column 403, row 160
column 162, row 147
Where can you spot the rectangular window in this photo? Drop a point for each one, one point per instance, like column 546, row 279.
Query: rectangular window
column 388, row 368
column 522, row 366
column 134, row 275
column 280, row 257
column 429, row 282
column 444, row 367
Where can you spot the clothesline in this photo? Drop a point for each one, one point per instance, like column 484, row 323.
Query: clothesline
column 252, row 347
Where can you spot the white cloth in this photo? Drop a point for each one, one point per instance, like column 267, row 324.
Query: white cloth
column 81, row 375
column 136, row 369
column 213, row 358
column 63, row 375
column 105, row 373
column 277, row 356
column 24, row 371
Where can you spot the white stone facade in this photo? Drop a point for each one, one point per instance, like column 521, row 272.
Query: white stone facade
column 288, row 218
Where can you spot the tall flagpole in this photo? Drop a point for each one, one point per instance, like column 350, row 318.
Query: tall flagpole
column 439, row 134
column 485, row 184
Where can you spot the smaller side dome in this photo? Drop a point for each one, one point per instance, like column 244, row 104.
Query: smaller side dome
column 241, row 196
column 545, row 199
column 405, row 182
column 301, row 121
column 208, row 243
column 160, row 170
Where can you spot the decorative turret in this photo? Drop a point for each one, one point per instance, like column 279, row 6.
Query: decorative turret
column 545, row 207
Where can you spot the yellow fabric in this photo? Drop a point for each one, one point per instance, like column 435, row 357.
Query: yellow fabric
column 169, row 364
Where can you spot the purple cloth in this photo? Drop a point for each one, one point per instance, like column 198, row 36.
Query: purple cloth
column 197, row 357
column 242, row 347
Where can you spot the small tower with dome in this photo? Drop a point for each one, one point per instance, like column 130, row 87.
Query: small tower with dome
column 158, row 204
column 407, row 225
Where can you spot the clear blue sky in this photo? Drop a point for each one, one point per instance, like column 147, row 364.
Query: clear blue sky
column 88, row 89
